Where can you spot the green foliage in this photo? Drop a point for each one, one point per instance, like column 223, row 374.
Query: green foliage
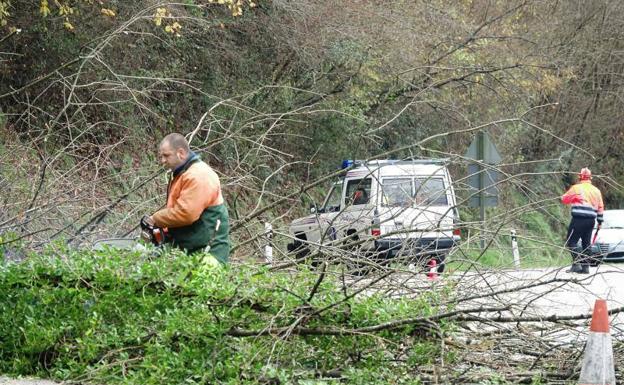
column 120, row 317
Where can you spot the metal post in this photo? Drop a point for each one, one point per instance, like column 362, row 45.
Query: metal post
column 480, row 159
column 268, row 248
column 514, row 249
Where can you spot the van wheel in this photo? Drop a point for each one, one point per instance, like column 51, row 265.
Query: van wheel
column 302, row 254
column 350, row 242
column 440, row 262
column 353, row 258
column 300, row 249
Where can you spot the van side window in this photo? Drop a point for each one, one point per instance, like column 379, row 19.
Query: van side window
column 358, row 191
column 397, row 192
column 430, row 191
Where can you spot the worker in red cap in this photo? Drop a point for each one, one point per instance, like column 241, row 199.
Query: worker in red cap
column 587, row 209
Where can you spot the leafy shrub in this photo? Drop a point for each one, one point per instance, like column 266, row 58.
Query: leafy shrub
column 122, row 317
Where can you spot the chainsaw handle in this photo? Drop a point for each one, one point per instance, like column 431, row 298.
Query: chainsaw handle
column 151, row 232
column 147, row 222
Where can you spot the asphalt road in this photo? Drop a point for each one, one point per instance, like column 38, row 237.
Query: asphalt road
column 549, row 291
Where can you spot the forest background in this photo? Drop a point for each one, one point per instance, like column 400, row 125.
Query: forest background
column 275, row 94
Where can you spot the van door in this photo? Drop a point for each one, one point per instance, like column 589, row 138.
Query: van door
column 396, row 205
column 356, row 216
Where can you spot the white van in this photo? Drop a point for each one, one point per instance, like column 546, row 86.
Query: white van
column 388, row 208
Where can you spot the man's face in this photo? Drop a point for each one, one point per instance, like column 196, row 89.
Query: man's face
column 169, row 157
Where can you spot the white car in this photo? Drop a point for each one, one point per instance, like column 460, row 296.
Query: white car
column 387, row 208
column 610, row 239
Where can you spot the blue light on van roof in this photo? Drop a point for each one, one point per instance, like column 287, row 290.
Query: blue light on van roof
column 350, row 162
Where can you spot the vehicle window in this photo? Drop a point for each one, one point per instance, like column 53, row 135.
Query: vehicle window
column 613, row 221
column 358, row 191
column 332, row 201
column 397, row 192
column 430, row 192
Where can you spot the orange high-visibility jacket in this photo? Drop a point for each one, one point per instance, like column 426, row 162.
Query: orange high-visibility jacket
column 190, row 193
column 586, row 201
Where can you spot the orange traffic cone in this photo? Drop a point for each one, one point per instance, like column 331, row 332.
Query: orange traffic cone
column 598, row 365
column 433, row 269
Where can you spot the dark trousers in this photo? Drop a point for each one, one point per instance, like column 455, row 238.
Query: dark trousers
column 580, row 228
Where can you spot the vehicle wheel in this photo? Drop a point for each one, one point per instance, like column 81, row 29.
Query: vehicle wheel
column 440, row 262
column 353, row 261
column 300, row 249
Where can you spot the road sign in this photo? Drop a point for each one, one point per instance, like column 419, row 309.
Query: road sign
column 482, row 179
column 489, row 191
column 489, row 153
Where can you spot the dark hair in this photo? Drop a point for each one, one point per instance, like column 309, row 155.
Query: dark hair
column 176, row 141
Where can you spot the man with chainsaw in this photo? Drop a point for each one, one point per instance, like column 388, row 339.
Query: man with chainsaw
column 195, row 218
column 587, row 208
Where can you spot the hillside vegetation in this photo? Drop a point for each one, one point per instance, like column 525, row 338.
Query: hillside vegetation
column 275, row 94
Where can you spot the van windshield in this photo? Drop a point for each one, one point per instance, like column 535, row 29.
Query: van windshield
column 405, row 192
column 430, row 192
column 397, row 192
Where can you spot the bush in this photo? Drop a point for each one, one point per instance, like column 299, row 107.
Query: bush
column 120, row 317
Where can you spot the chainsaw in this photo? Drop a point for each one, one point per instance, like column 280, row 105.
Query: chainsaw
column 152, row 233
